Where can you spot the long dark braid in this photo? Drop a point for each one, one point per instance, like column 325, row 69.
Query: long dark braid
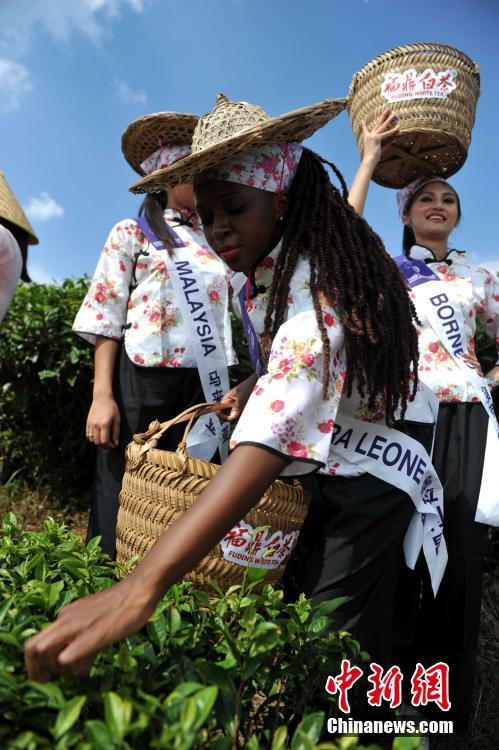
column 153, row 207
column 351, row 268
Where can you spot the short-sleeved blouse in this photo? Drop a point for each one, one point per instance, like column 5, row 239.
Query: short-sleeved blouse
column 476, row 291
column 286, row 412
column 10, row 268
column 147, row 316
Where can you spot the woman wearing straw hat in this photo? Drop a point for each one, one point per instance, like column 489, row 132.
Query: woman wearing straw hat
column 449, row 295
column 333, row 356
column 15, row 236
column 146, row 364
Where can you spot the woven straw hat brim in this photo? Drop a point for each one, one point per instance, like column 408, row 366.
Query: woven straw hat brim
column 292, row 126
column 144, row 135
column 11, row 210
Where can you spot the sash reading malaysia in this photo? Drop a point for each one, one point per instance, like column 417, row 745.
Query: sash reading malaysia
column 398, row 459
column 446, row 319
column 208, row 433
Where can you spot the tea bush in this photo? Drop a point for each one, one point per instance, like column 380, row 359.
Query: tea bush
column 46, row 382
column 239, row 670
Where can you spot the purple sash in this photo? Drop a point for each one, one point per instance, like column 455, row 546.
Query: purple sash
column 146, row 230
column 251, row 337
column 415, row 271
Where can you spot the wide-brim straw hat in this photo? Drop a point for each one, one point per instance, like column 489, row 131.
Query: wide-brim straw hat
column 144, row 135
column 11, row 210
column 235, row 127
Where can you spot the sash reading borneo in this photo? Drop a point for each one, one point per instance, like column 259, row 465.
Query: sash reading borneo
column 446, row 319
column 208, row 433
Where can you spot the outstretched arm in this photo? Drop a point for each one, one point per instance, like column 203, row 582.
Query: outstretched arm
column 84, row 627
column 382, row 129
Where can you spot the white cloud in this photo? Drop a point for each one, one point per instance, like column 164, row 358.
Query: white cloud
column 477, row 259
column 128, row 95
column 15, row 80
column 59, row 18
column 40, row 275
column 491, row 263
column 43, row 208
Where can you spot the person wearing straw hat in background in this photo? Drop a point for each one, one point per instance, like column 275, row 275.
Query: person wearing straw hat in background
column 335, row 361
column 16, row 234
column 466, row 448
column 146, row 364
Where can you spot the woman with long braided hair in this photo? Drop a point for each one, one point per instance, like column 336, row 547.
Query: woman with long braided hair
column 351, row 269
column 329, row 326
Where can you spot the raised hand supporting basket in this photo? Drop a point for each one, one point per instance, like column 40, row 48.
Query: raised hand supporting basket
column 433, row 90
column 158, row 486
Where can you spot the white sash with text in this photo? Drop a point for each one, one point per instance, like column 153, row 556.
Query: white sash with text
column 446, row 319
column 208, row 433
column 401, row 461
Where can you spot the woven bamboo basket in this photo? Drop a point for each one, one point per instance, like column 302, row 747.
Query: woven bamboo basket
column 433, row 90
column 158, row 486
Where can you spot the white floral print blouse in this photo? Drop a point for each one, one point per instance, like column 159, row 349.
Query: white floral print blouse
column 148, row 318
column 286, row 412
column 476, row 291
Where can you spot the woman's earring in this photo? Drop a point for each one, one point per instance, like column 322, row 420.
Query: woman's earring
column 281, row 218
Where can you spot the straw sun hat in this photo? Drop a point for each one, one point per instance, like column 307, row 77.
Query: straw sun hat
column 144, row 135
column 235, row 127
column 11, row 210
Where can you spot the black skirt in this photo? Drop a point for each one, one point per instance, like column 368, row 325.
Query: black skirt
column 143, row 394
column 446, row 627
column 351, row 546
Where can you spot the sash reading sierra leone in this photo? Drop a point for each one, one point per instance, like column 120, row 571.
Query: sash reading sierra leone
column 398, row 459
column 446, row 319
column 208, row 433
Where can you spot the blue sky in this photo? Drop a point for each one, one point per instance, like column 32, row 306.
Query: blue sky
column 74, row 73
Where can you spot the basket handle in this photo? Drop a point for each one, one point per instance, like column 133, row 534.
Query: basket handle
column 150, row 438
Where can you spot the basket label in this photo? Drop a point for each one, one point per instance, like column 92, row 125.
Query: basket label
column 410, row 84
column 257, row 548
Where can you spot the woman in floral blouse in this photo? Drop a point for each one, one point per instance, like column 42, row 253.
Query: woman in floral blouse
column 329, row 347
column 446, row 626
column 145, row 368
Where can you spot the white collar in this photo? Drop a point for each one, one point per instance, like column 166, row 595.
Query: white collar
column 420, row 252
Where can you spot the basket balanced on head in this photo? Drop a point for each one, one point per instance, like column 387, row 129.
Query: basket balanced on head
column 433, row 90
column 158, row 486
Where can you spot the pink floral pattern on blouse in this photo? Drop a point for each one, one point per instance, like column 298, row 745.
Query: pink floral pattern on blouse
column 476, row 291
column 286, row 411
column 149, row 318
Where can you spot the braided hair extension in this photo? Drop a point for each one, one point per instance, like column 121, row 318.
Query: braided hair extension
column 350, row 268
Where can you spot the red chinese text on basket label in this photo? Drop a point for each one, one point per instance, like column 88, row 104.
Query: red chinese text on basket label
column 261, row 548
column 413, row 85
